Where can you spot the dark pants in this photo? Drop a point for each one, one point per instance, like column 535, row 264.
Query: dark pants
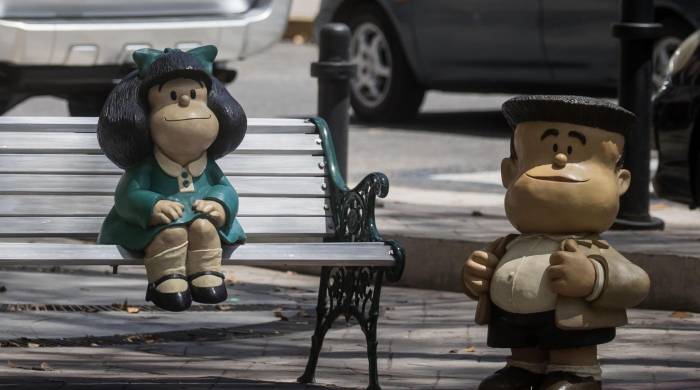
column 539, row 330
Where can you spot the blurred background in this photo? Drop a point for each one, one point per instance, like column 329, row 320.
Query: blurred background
column 431, row 74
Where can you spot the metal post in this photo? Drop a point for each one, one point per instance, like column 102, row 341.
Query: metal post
column 334, row 71
column 637, row 32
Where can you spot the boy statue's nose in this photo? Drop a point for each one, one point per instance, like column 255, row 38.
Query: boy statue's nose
column 560, row 160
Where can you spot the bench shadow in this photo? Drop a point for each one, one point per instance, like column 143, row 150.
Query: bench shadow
column 485, row 123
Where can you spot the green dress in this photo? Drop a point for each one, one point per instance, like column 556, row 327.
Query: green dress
column 145, row 184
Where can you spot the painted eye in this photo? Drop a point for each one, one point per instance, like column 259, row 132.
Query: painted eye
column 555, row 148
column 193, row 94
column 173, row 95
column 569, row 150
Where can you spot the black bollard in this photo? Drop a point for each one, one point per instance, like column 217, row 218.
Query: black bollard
column 334, row 71
column 637, row 32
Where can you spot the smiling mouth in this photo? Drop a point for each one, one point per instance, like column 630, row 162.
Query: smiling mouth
column 185, row 119
column 558, row 178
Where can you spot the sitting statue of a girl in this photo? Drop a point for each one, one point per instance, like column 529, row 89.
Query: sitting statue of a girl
column 165, row 124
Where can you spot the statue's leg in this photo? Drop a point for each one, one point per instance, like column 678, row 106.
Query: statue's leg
column 165, row 260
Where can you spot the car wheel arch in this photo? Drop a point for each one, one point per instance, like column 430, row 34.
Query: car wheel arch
column 405, row 41
column 670, row 11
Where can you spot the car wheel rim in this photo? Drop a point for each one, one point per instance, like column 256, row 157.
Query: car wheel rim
column 663, row 50
column 369, row 49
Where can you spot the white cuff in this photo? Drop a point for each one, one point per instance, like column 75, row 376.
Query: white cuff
column 599, row 280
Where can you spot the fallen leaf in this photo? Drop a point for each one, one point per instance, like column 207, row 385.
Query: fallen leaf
column 33, row 345
column 11, row 364
column 680, row 314
column 453, row 351
column 224, row 307
column 43, row 367
column 94, row 345
column 470, row 349
column 278, row 313
column 132, row 310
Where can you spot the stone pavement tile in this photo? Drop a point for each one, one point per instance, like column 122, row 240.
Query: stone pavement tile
column 426, row 340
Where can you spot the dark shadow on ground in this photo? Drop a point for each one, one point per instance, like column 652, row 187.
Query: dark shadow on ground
column 216, row 383
column 478, row 123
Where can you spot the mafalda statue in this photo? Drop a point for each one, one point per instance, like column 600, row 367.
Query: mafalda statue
column 166, row 124
column 555, row 291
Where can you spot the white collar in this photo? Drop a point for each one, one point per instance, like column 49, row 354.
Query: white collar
column 195, row 168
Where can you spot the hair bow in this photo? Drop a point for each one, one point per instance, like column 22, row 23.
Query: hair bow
column 204, row 54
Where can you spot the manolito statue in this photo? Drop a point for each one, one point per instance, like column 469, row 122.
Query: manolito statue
column 556, row 290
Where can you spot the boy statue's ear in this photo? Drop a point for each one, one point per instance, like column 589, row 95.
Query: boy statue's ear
column 509, row 171
column 624, row 177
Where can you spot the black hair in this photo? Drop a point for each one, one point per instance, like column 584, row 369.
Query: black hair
column 123, row 128
column 580, row 110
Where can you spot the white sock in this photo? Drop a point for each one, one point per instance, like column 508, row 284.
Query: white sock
column 537, row 368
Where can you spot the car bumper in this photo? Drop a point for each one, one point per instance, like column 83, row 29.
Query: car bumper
column 81, row 42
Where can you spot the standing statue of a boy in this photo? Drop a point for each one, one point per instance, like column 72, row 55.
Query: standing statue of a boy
column 554, row 292
column 166, row 124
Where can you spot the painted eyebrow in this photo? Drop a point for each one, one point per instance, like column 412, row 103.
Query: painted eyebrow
column 576, row 134
column 548, row 132
column 160, row 86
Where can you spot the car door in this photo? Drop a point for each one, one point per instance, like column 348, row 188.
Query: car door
column 578, row 41
column 479, row 41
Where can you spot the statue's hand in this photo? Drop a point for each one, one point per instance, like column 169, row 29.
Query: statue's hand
column 215, row 212
column 478, row 270
column 165, row 211
column 571, row 272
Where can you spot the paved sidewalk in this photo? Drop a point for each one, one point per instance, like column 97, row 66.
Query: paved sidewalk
column 427, row 340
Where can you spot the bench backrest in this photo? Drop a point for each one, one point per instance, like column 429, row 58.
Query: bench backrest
column 56, row 182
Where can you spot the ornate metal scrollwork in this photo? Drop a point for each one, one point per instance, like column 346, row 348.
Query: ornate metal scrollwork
column 352, row 292
column 353, row 212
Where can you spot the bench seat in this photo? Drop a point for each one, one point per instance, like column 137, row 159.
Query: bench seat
column 355, row 254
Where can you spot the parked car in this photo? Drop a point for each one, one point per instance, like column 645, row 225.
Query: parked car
column 404, row 48
column 77, row 49
column 676, row 114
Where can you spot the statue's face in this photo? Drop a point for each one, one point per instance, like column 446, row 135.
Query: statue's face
column 564, row 178
column 182, row 125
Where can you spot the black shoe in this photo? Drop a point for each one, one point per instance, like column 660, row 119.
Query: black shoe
column 511, row 378
column 561, row 380
column 208, row 294
column 178, row 301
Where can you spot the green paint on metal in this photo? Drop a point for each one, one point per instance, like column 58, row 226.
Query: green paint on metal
column 329, row 152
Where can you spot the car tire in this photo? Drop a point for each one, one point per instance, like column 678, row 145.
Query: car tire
column 385, row 88
column 87, row 104
column 674, row 32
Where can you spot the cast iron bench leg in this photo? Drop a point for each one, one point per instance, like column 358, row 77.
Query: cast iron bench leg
column 352, row 292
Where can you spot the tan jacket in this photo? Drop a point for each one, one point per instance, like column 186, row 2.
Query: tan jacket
column 625, row 286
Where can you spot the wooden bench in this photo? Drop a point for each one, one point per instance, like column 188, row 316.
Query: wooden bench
column 55, row 182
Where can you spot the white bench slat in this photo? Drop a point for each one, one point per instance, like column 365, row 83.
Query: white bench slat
column 89, row 124
column 69, row 143
column 88, row 227
column 26, row 184
column 233, row 164
column 98, row 205
column 336, row 254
